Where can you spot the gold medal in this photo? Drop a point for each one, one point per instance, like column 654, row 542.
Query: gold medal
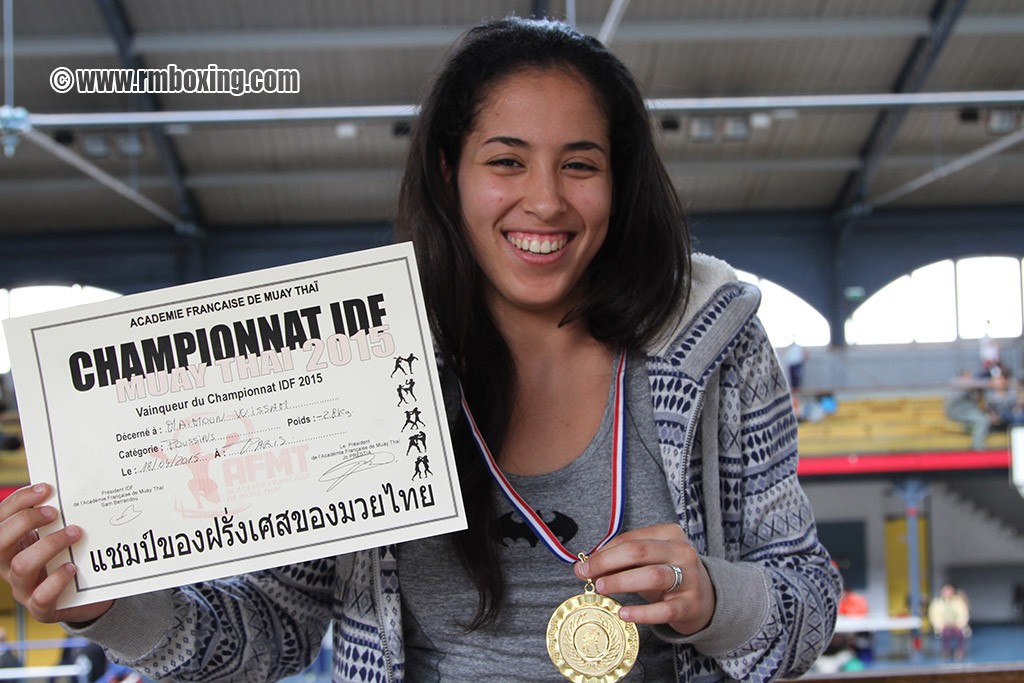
column 587, row 640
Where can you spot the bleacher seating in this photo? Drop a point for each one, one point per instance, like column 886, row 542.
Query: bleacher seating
column 891, row 424
column 13, row 468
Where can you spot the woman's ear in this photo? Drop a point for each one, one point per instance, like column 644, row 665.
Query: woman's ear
column 446, row 171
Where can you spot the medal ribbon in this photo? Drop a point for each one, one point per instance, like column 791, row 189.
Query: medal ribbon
column 534, row 520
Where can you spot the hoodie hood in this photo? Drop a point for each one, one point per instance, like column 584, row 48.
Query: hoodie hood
column 718, row 307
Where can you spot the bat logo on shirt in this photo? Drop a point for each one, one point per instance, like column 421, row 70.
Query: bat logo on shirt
column 510, row 528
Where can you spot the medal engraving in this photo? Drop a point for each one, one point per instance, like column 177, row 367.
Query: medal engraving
column 588, row 642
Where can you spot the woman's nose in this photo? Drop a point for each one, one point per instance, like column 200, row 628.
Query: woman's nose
column 543, row 195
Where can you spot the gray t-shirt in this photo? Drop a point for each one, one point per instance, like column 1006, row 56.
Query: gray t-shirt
column 438, row 598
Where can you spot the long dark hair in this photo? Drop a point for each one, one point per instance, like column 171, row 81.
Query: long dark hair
column 637, row 280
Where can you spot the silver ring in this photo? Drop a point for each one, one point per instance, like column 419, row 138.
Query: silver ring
column 678, row 579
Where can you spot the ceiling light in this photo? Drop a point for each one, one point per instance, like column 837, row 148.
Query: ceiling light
column 760, row 121
column 94, row 145
column 735, row 128
column 346, row 131
column 701, row 129
column 785, row 114
column 130, row 144
column 1001, row 121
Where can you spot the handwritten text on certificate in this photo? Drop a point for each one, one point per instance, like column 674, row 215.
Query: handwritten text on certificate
column 238, row 424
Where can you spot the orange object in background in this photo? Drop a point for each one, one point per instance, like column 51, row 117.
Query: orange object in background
column 853, row 604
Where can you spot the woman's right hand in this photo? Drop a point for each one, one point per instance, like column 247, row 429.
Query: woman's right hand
column 24, row 556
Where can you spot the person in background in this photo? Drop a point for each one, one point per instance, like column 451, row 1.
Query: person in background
column 966, row 405
column 1004, row 398
column 563, row 297
column 949, row 616
column 988, row 349
column 83, row 653
column 794, row 359
column 8, row 660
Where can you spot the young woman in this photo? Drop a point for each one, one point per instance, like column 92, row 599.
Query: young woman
column 614, row 386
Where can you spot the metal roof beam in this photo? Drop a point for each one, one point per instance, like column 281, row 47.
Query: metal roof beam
column 394, row 37
column 849, row 202
column 912, row 77
column 99, row 175
column 978, row 155
column 117, row 23
column 346, row 177
column 612, row 20
column 391, row 112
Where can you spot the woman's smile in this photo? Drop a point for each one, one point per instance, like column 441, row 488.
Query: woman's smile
column 537, row 244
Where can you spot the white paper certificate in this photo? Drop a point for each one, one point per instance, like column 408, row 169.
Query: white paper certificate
column 238, row 424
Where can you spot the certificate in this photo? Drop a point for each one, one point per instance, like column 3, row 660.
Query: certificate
column 238, row 424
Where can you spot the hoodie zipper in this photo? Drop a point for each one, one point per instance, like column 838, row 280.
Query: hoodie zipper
column 691, row 434
column 375, row 561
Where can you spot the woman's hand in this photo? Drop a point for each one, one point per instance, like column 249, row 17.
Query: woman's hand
column 24, row 556
column 640, row 561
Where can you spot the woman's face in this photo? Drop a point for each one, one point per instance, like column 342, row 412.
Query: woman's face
column 535, row 185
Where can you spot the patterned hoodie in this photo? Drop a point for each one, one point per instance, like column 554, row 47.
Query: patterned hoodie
column 728, row 443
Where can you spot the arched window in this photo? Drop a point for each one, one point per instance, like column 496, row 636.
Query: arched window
column 786, row 317
column 988, row 296
column 28, row 300
column 942, row 302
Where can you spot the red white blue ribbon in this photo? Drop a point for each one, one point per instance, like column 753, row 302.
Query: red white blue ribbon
column 540, row 528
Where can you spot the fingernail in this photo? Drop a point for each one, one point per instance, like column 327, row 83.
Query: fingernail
column 73, row 532
column 48, row 513
column 39, row 488
column 599, row 585
column 585, row 569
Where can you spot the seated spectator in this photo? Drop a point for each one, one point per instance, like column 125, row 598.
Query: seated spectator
column 949, row 615
column 1004, row 399
column 966, row 406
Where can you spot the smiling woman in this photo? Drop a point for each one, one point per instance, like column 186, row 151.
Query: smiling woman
column 595, row 373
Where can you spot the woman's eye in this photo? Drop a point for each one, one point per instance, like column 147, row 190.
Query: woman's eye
column 507, row 163
column 580, row 166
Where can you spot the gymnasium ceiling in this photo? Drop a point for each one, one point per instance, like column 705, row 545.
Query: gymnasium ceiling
column 853, row 106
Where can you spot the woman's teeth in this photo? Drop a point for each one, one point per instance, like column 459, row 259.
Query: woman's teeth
column 538, row 245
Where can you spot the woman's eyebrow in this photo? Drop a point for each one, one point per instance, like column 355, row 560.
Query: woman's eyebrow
column 507, row 140
column 576, row 146
column 584, row 146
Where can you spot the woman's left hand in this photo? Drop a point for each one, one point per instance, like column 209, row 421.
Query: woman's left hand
column 640, row 561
